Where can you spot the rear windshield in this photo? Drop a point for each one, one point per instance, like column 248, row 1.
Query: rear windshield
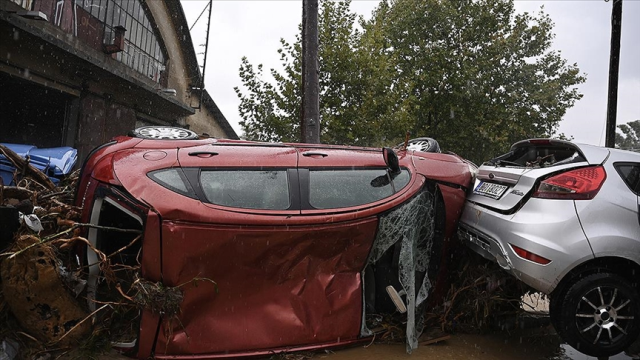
column 538, row 156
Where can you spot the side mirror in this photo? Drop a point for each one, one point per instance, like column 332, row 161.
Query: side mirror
column 391, row 159
column 393, row 165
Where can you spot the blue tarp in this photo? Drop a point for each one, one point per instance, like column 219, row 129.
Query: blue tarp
column 54, row 162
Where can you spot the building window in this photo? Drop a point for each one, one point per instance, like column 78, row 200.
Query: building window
column 142, row 48
column 24, row 3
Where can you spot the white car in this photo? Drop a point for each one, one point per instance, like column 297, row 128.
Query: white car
column 563, row 218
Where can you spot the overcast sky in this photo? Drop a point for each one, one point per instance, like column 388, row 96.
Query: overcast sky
column 583, row 35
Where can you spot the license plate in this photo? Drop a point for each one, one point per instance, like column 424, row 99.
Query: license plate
column 491, row 190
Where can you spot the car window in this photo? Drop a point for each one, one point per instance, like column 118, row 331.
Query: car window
column 247, row 189
column 329, row 189
column 630, row 173
column 539, row 156
column 174, row 180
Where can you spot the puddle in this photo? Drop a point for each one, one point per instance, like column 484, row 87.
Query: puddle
column 566, row 352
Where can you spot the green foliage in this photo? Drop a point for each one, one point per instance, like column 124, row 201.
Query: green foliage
column 271, row 109
column 630, row 137
column 472, row 74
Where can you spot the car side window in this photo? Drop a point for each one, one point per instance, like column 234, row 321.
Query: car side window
column 247, row 189
column 174, row 180
column 339, row 188
column 630, row 173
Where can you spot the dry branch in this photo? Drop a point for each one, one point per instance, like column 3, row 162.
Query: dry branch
column 67, row 231
column 80, row 323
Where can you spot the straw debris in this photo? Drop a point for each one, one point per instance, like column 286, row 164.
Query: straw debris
column 43, row 299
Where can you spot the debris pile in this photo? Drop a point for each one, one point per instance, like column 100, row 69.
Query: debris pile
column 43, row 296
column 36, row 302
column 481, row 297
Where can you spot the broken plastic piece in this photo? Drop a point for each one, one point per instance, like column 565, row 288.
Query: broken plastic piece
column 32, row 221
column 124, row 346
column 396, row 298
column 72, row 280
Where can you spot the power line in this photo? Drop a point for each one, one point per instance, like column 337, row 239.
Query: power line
column 199, row 16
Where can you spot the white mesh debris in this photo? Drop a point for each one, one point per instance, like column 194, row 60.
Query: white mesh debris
column 412, row 227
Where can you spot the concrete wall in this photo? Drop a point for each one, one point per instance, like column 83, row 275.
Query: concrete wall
column 100, row 120
column 177, row 67
column 201, row 123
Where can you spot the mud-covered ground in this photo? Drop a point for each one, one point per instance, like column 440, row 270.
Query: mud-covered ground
column 528, row 344
column 497, row 346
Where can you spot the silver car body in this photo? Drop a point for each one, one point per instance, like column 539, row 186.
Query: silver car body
column 566, row 232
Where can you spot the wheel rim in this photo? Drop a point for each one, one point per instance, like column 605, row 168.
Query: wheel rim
column 169, row 133
column 604, row 315
column 420, row 145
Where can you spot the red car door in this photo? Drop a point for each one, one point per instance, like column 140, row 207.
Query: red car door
column 337, row 189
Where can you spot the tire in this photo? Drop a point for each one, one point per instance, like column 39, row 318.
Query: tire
column 599, row 315
column 163, row 133
column 423, row 144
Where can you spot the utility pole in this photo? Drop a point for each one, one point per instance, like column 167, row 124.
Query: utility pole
column 614, row 65
column 310, row 122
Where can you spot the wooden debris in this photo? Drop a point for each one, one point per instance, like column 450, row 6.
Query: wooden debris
column 14, row 192
column 433, row 336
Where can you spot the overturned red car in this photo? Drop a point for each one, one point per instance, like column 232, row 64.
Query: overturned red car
column 304, row 241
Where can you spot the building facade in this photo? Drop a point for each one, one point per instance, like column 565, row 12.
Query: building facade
column 78, row 72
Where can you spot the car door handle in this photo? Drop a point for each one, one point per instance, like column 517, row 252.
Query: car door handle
column 203, row 154
column 311, row 153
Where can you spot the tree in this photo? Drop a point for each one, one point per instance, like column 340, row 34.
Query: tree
column 271, row 111
column 470, row 73
column 630, row 137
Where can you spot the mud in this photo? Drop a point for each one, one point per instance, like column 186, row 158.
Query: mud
column 528, row 344
column 458, row 347
column 37, row 297
column 540, row 344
